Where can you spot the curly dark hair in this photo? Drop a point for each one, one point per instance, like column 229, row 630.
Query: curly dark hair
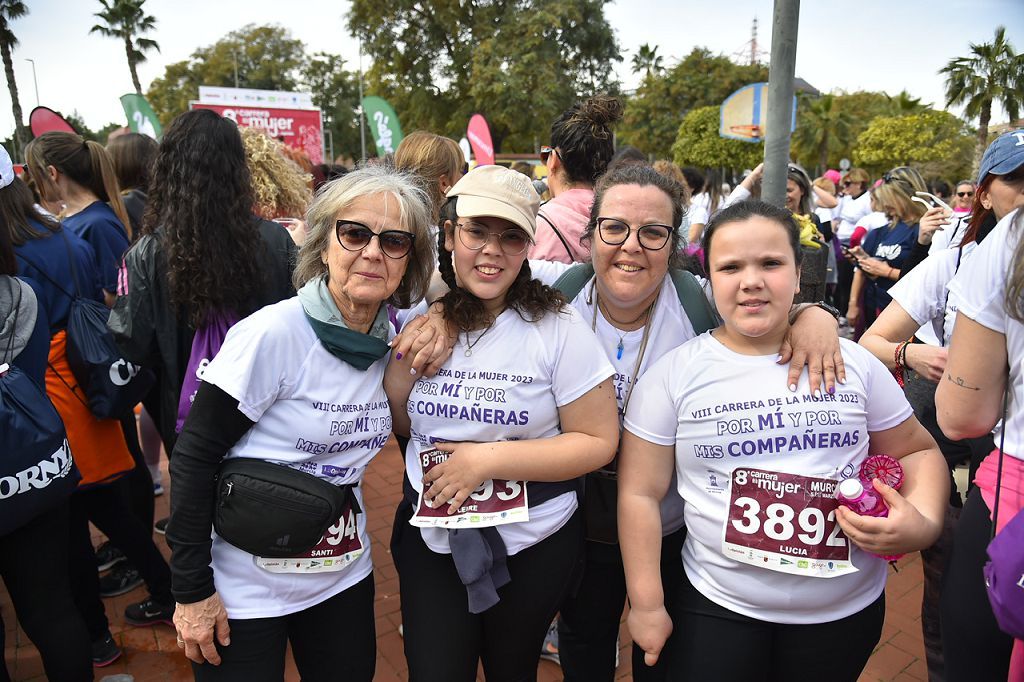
column 583, row 136
column 200, row 208
column 465, row 312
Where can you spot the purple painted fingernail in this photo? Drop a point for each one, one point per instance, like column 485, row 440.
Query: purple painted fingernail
column 398, row 356
column 831, row 390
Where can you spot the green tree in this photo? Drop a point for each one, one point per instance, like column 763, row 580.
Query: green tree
column 10, row 10
column 336, row 92
column 653, row 116
column 822, row 131
column 937, row 143
column 520, row 64
column 992, row 73
column 264, row 57
column 647, row 60
column 699, row 144
column 905, row 103
column 126, row 20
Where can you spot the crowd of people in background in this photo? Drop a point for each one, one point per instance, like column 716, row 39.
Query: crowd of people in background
column 595, row 365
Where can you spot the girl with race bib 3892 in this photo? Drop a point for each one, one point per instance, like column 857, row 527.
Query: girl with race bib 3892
column 522, row 408
column 780, row 582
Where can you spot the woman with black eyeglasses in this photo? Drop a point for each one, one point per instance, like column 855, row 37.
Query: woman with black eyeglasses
column 292, row 404
column 581, row 148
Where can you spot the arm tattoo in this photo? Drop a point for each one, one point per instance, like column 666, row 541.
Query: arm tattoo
column 959, row 381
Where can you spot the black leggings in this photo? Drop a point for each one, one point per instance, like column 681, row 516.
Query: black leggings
column 710, row 642
column 973, row 646
column 444, row 641
column 33, row 564
column 588, row 624
column 107, row 507
column 334, row 640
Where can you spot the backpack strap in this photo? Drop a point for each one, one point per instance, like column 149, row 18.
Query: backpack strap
column 695, row 303
column 49, row 279
column 558, row 234
column 572, row 281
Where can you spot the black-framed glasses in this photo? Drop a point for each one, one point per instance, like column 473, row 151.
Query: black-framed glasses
column 965, row 194
column 355, row 236
column 546, row 151
column 475, row 236
column 652, row 237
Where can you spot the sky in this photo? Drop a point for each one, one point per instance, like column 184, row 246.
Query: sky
column 887, row 45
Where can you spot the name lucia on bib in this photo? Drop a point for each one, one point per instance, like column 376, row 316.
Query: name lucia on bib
column 785, row 522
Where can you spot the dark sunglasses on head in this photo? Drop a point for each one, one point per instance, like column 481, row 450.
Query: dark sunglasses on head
column 545, row 152
column 355, row 236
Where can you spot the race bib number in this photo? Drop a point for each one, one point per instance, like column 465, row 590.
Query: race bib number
column 338, row 547
column 786, row 523
column 494, row 503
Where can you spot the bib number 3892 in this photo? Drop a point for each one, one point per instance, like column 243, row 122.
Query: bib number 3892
column 785, row 522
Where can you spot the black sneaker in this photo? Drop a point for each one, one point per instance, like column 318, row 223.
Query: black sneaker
column 161, row 525
column 149, row 612
column 105, row 651
column 107, row 555
column 122, row 579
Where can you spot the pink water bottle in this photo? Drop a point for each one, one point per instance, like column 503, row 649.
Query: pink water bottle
column 853, row 494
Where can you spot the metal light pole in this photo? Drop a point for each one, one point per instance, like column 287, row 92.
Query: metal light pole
column 34, row 81
column 362, row 117
column 785, row 23
column 234, row 58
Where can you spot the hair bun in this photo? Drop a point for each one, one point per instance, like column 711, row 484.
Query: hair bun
column 601, row 110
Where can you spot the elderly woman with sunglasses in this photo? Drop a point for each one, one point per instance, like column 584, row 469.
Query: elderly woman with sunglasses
column 297, row 391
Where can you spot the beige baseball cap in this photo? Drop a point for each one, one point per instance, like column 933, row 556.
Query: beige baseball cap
column 496, row 191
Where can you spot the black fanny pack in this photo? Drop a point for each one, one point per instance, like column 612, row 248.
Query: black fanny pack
column 272, row 510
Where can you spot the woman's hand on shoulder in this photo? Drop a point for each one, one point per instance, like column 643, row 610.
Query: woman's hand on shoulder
column 904, row 530
column 813, row 340
column 423, row 345
column 198, row 624
column 650, row 630
column 452, row 481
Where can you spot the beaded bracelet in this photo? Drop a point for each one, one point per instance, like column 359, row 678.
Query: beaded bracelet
column 900, row 358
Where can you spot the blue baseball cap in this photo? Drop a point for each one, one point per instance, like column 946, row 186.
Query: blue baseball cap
column 1004, row 155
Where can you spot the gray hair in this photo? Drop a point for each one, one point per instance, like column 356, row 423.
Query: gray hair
column 414, row 214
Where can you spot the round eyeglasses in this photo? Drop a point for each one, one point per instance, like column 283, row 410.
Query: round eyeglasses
column 652, row 237
column 475, row 236
column 355, row 236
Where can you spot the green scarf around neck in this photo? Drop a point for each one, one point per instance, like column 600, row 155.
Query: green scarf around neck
column 352, row 347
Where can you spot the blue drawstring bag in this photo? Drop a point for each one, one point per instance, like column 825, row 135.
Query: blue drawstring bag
column 36, row 469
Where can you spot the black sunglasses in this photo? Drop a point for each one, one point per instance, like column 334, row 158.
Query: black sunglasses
column 545, row 152
column 965, row 194
column 355, row 236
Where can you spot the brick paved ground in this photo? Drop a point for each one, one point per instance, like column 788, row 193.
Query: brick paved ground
column 150, row 654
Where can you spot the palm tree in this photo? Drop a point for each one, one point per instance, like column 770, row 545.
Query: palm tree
column 992, row 73
column 125, row 19
column 904, row 103
column 823, row 128
column 647, row 60
column 12, row 9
